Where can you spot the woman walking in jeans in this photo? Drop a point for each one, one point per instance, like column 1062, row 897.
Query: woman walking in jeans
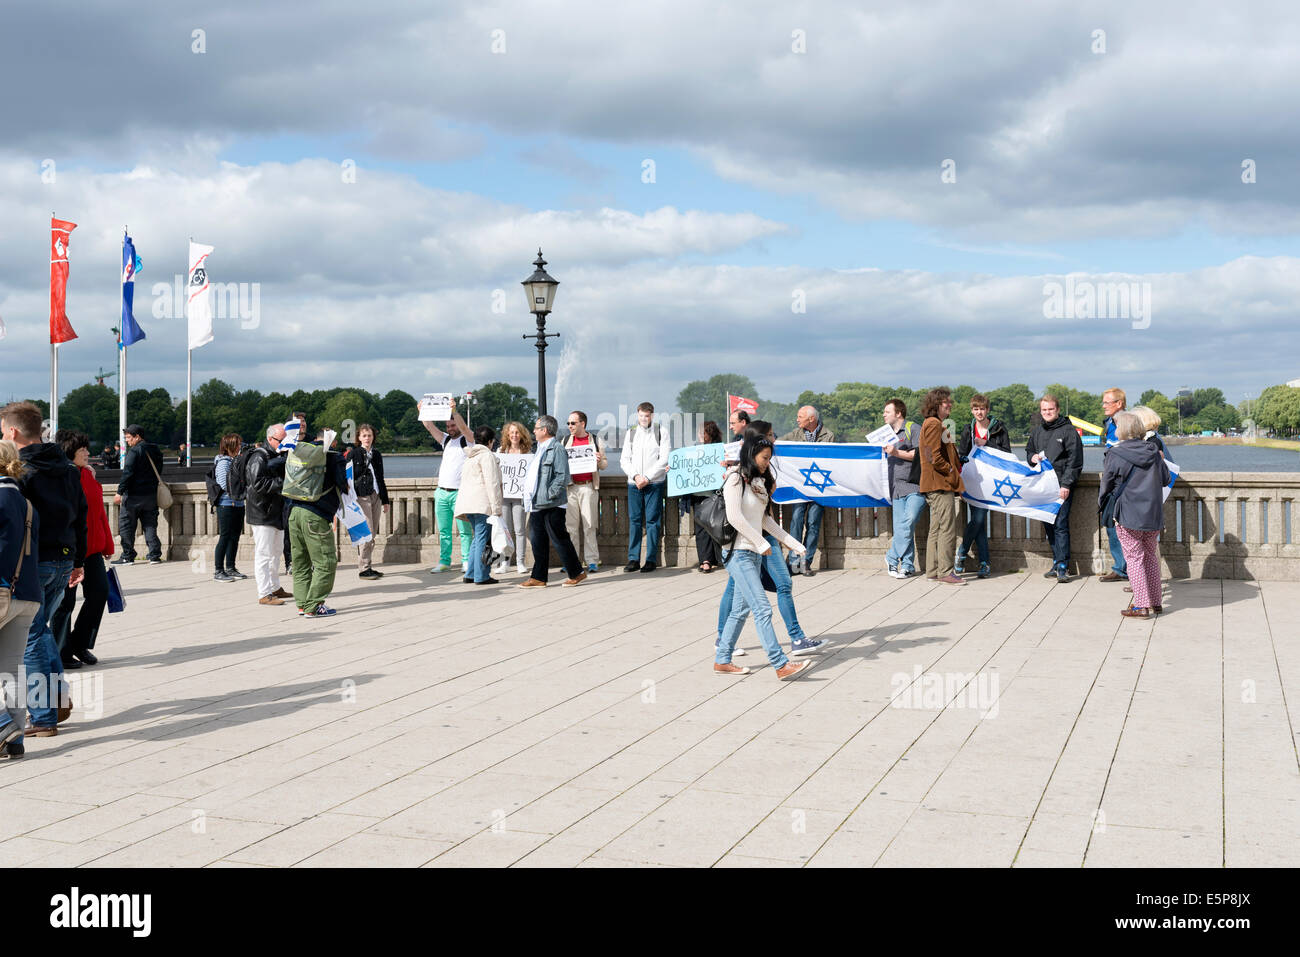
column 24, row 584
column 746, row 491
column 230, row 513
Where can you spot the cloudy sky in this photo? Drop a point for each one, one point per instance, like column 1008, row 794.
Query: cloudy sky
column 804, row 193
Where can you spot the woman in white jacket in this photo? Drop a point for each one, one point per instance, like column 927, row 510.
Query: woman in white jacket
column 746, row 491
column 479, row 499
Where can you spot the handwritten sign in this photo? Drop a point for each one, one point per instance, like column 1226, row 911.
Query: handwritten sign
column 695, row 469
column 882, row 436
column 435, row 407
column 514, row 472
column 582, row 460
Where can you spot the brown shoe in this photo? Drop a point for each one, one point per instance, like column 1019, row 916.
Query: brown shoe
column 1136, row 612
column 951, row 579
column 729, row 669
column 40, row 731
column 1112, row 577
column 270, row 600
column 281, row 593
column 531, row 583
column 65, row 710
column 570, row 582
column 793, row 668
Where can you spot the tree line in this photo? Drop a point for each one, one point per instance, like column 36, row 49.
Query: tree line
column 219, row 409
column 853, row 409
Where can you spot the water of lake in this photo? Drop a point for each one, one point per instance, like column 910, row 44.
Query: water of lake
column 1192, row 458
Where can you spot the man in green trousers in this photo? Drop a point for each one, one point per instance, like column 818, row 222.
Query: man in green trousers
column 314, row 477
column 454, row 442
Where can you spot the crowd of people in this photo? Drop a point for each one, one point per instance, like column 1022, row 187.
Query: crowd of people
column 55, row 535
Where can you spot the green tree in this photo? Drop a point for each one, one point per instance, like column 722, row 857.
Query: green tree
column 156, row 417
column 1015, row 406
column 709, row 397
column 82, row 410
column 342, row 413
column 499, row 402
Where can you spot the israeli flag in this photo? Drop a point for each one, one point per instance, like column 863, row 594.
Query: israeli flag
column 849, row 475
column 999, row 481
column 291, row 430
column 354, row 520
column 1173, row 477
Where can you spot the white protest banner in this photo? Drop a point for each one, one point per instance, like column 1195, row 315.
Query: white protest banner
column 514, row 469
column 582, row 459
column 733, row 451
column 882, row 436
column 695, row 469
column 435, row 407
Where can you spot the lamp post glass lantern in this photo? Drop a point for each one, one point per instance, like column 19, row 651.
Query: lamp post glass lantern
column 540, row 290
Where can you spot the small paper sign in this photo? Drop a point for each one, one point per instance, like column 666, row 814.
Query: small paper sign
column 733, row 451
column 882, row 436
column 514, row 471
column 582, row 459
column 435, row 407
column 695, row 469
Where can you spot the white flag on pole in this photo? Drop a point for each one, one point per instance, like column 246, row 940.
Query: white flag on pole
column 198, row 303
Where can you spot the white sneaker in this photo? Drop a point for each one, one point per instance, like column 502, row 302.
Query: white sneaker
column 737, row 652
column 895, row 573
column 521, row 568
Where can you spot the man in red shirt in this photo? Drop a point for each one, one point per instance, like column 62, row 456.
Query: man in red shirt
column 583, row 492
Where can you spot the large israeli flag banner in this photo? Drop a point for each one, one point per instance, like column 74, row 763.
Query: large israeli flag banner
column 848, row 475
column 354, row 520
column 291, row 436
column 999, row 481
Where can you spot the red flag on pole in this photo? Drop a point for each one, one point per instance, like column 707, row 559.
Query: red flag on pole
column 737, row 403
column 60, row 328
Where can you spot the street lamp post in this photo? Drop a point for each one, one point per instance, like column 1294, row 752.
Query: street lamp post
column 540, row 290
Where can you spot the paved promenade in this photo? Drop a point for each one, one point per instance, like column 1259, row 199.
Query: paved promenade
column 439, row 724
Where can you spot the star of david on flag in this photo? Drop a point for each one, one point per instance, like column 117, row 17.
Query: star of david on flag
column 999, row 481
column 835, row 475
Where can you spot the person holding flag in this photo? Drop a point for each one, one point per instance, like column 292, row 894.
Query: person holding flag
column 1056, row 442
column 1113, row 402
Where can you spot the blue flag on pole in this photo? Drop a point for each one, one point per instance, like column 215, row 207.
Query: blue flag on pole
column 131, row 264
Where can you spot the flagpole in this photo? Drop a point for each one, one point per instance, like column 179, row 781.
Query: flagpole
column 189, row 369
column 121, row 379
column 54, row 361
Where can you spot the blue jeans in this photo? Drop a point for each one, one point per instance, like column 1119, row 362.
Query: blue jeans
column 1116, row 553
column 42, row 662
column 645, row 505
column 478, row 569
column 743, row 569
column 977, row 532
column 1059, row 535
column 780, row 574
column 902, row 550
column 813, row 513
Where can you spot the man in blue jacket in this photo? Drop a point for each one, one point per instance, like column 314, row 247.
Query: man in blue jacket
column 546, row 497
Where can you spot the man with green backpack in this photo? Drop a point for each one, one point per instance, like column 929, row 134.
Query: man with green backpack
column 314, row 476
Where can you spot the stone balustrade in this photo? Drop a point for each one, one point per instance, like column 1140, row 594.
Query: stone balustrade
column 1234, row 525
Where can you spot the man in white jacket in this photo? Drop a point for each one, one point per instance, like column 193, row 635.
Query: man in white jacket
column 645, row 463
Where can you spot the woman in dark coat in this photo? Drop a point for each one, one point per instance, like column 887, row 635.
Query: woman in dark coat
column 1136, row 471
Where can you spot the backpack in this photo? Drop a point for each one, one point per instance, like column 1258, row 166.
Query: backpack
column 304, row 473
column 238, row 477
column 711, row 515
column 913, row 473
column 215, row 491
